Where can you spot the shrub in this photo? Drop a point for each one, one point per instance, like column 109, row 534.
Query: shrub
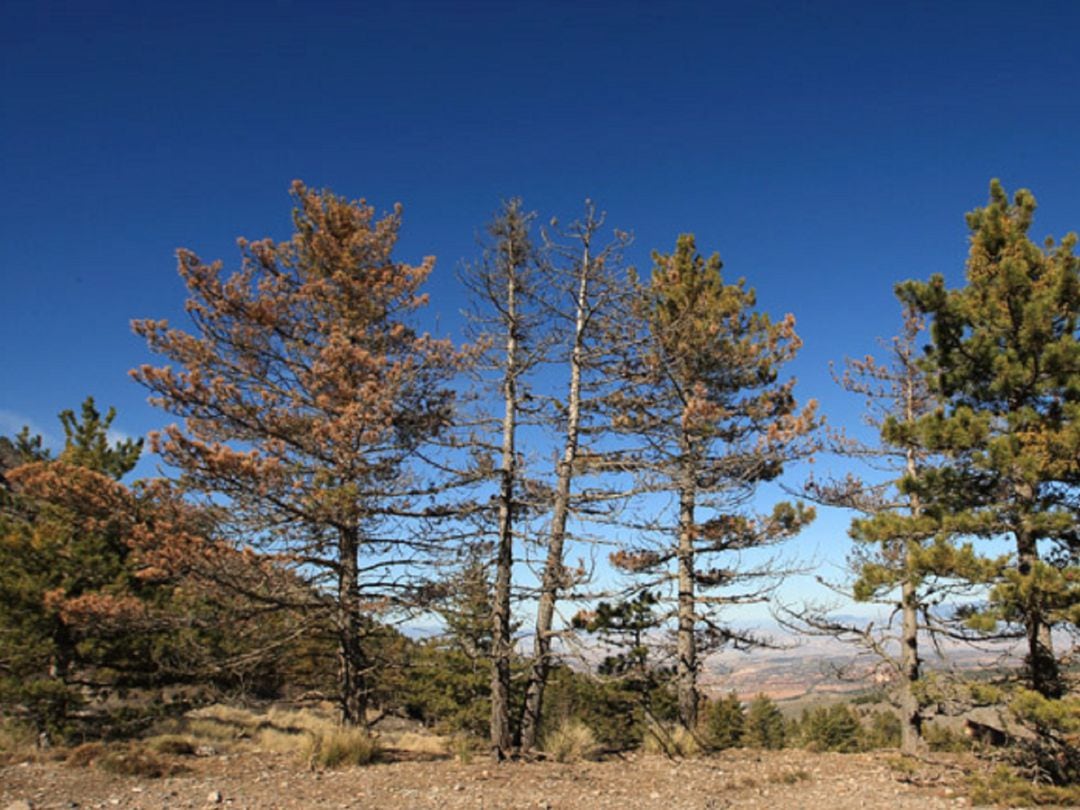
column 464, row 747
column 672, row 740
column 614, row 711
column 941, row 738
column 1006, row 788
column 1053, row 750
column 835, row 728
column 572, row 741
column 764, row 724
column 343, row 747
column 883, row 731
column 724, row 723
column 137, row 761
column 17, row 738
column 172, row 744
column 85, row 755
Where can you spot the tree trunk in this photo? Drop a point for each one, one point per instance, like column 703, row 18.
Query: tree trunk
column 501, row 740
column 553, row 567
column 686, row 671
column 352, row 664
column 911, row 712
column 1042, row 666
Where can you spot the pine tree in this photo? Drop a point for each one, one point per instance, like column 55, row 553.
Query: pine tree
column 632, row 687
column 764, row 724
column 306, row 396
column 833, row 728
column 702, row 394
column 724, row 724
column 504, row 320
column 1005, row 357
column 81, row 606
column 449, row 681
column 86, row 442
column 904, row 559
column 588, row 273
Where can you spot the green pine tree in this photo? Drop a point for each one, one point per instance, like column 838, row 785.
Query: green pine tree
column 833, row 728
column 764, row 724
column 1005, row 357
column 64, row 530
column 704, row 397
column 724, row 723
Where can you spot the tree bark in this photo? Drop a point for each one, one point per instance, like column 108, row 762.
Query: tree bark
column 501, row 739
column 352, row 664
column 686, row 671
column 910, row 710
column 1042, row 666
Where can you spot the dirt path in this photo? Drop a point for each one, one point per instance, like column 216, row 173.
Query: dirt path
column 741, row 779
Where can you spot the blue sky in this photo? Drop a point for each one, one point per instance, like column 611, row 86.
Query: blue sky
column 825, row 149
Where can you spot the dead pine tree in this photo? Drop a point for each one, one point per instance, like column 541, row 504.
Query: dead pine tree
column 710, row 420
column 586, row 281
column 504, row 319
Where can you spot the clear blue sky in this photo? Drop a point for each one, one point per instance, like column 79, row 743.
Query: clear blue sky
column 825, row 149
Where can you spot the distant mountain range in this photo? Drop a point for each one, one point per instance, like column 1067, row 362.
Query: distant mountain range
column 826, row 666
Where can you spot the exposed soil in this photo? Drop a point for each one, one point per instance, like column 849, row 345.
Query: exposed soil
column 737, row 779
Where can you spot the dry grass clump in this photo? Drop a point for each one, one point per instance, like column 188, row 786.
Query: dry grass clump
column 431, row 745
column 278, row 741
column 279, row 730
column 85, row 755
column 221, row 724
column 342, row 747
column 313, row 721
column 214, row 731
column 17, row 741
column 138, row 761
column 227, row 715
column 132, row 759
column 671, row 740
column 572, row 741
column 463, row 747
column 179, row 745
column 790, row 777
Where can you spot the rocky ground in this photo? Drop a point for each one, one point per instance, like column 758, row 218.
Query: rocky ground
column 737, row 779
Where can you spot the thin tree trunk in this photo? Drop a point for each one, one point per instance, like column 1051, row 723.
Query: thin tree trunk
column 501, row 740
column 911, row 728
column 553, row 567
column 686, row 671
column 352, row 665
column 911, row 725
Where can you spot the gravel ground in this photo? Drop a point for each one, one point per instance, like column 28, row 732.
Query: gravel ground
column 738, row 779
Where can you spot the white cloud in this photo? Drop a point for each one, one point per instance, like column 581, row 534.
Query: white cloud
column 11, row 423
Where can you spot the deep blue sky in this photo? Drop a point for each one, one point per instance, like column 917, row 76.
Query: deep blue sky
column 825, row 149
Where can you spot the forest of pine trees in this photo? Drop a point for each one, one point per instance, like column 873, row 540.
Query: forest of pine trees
column 555, row 519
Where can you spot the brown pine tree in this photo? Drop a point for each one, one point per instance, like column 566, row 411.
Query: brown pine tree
column 305, row 396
